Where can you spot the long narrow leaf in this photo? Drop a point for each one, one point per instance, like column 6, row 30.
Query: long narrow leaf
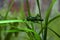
column 11, row 21
column 49, row 10
column 47, row 18
column 54, row 32
column 26, row 30
column 58, row 16
column 38, row 4
column 29, row 14
column 27, row 2
column 9, row 7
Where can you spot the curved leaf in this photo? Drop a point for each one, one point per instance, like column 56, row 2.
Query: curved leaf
column 11, row 21
column 53, row 19
column 9, row 9
column 54, row 32
column 47, row 18
column 26, row 30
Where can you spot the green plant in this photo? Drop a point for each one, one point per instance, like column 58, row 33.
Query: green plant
column 32, row 34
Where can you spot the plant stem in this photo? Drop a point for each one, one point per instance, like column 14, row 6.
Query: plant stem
column 9, row 7
column 27, row 2
column 40, row 15
column 47, row 19
column 29, row 14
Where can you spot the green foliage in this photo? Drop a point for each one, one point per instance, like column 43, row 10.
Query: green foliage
column 15, row 25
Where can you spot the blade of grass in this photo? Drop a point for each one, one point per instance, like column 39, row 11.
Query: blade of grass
column 38, row 4
column 58, row 16
column 11, row 21
column 27, row 2
column 26, row 30
column 30, row 34
column 9, row 7
column 20, row 29
column 46, row 19
column 54, row 32
column 29, row 14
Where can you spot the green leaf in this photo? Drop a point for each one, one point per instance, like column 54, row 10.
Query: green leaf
column 26, row 30
column 47, row 18
column 38, row 4
column 9, row 7
column 27, row 2
column 11, row 21
column 58, row 16
column 54, row 32
column 49, row 10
